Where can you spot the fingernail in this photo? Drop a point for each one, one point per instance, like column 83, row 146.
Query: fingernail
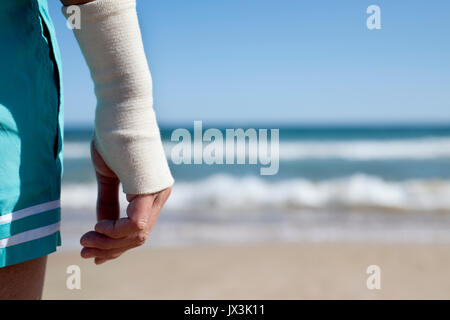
column 84, row 242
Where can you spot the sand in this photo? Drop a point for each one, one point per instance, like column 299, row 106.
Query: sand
column 308, row 271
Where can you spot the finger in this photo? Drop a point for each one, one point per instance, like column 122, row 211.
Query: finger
column 161, row 199
column 118, row 229
column 108, row 188
column 140, row 211
column 94, row 239
column 108, row 206
column 152, row 215
column 88, row 253
column 100, row 260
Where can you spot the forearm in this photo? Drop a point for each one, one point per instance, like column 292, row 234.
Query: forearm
column 126, row 132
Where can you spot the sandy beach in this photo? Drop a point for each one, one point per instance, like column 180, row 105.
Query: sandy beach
column 307, row 271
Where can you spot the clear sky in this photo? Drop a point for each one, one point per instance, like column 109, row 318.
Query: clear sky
column 283, row 61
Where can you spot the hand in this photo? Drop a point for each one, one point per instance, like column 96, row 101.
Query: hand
column 114, row 236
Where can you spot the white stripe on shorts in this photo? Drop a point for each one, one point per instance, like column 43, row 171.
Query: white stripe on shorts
column 19, row 214
column 29, row 235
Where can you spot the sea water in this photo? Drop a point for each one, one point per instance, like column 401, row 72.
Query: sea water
column 335, row 183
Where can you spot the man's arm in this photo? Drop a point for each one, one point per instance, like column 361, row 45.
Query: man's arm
column 127, row 146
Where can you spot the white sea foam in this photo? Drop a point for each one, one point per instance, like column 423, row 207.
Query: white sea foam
column 234, row 194
column 76, row 150
column 421, row 148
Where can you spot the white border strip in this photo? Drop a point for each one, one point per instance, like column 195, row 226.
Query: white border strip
column 16, row 215
column 29, row 235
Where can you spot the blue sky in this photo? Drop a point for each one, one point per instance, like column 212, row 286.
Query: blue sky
column 286, row 61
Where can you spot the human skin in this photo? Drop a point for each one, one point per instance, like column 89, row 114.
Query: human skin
column 113, row 235
column 23, row 281
column 110, row 238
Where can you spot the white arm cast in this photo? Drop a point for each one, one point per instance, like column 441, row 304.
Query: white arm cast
column 126, row 132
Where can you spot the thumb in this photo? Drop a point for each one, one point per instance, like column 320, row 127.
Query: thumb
column 108, row 207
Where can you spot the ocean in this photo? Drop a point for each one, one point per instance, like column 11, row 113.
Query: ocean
column 383, row 184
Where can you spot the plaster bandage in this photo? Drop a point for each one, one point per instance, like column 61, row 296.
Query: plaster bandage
column 126, row 132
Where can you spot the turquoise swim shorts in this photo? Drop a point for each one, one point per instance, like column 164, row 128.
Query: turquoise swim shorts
column 31, row 129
